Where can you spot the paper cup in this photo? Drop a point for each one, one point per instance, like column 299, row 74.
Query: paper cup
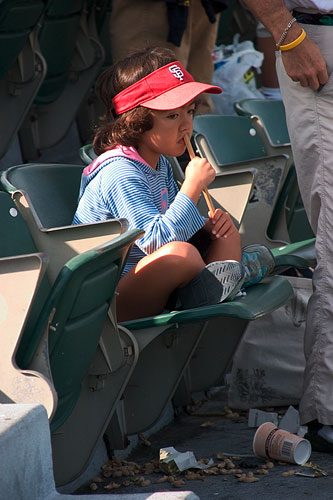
column 277, row 444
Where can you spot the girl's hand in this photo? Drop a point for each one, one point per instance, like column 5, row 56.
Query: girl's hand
column 219, row 224
column 200, row 173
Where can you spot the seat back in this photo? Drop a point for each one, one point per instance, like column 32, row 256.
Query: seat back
column 22, row 68
column 269, row 119
column 14, row 235
column 17, row 20
column 74, row 57
column 270, row 171
column 48, row 206
column 87, row 154
column 272, row 125
column 53, row 190
column 231, row 138
column 57, row 39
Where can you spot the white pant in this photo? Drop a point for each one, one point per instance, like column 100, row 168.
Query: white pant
column 310, row 125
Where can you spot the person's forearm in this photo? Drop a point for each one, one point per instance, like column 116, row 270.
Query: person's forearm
column 191, row 190
column 304, row 63
column 275, row 16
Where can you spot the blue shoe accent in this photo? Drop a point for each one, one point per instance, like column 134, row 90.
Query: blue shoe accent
column 258, row 261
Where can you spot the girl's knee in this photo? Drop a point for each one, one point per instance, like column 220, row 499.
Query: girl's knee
column 186, row 259
column 183, row 250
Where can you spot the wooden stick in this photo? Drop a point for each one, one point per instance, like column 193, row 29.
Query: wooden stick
column 205, row 190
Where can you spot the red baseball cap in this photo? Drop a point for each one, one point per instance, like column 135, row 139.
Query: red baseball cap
column 169, row 87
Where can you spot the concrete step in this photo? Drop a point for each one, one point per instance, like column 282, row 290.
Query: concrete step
column 26, row 469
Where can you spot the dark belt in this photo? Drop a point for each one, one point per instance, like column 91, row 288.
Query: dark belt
column 320, row 19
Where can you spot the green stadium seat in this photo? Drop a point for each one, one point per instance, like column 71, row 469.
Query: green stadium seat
column 74, row 57
column 19, row 279
column 231, row 144
column 87, row 154
column 22, row 67
column 67, row 317
column 99, row 14
column 269, row 120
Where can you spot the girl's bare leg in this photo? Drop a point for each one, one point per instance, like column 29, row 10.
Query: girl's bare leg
column 225, row 248
column 145, row 289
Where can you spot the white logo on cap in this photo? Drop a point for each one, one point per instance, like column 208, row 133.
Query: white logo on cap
column 176, row 71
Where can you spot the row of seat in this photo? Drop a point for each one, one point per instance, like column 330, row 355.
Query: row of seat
column 98, row 377
column 51, row 54
column 258, row 139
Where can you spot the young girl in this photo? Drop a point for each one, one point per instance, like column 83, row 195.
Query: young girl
column 150, row 102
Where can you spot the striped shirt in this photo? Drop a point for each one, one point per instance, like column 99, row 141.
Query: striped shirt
column 127, row 187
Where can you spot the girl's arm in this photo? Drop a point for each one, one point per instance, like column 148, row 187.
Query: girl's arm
column 130, row 196
column 304, row 63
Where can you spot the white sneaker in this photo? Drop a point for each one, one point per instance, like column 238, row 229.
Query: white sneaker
column 230, row 274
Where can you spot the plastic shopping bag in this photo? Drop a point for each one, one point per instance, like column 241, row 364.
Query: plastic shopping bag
column 234, row 73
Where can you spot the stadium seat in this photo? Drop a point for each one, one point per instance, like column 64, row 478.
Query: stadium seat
column 222, row 328
column 67, row 317
column 231, row 144
column 275, row 200
column 19, row 279
column 48, row 204
column 91, row 109
column 269, row 120
column 74, row 58
column 22, row 67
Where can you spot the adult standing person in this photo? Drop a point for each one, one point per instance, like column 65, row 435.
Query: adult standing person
column 188, row 27
column 303, row 33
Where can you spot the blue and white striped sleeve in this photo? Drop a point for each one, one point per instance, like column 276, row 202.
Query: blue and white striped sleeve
column 131, row 197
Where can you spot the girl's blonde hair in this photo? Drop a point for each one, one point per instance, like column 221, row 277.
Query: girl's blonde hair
column 127, row 128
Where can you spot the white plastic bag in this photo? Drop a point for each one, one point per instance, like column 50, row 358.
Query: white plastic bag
column 233, row 65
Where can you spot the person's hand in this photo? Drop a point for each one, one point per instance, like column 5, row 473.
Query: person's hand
column 199, row 172
column 219, row 224
column 198, row 175
column 305, row 64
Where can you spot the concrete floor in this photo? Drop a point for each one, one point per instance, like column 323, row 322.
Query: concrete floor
column 208, row 433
